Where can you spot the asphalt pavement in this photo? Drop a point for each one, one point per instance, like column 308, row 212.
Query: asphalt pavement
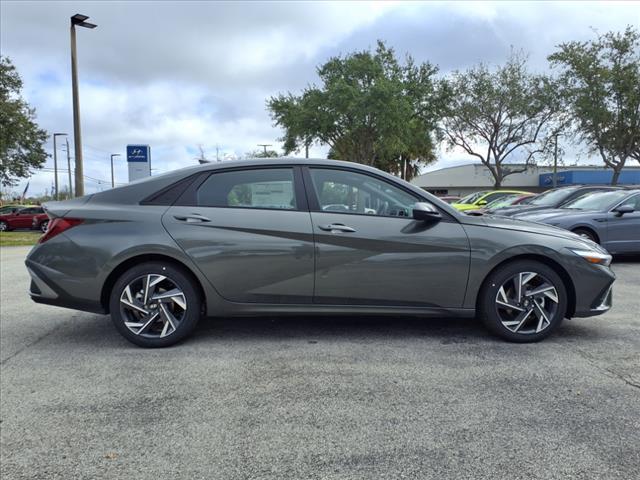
column 317, row 398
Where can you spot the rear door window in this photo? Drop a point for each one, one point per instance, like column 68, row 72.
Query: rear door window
column 266, row 188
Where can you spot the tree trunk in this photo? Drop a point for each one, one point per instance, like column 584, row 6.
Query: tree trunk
column 615, row 176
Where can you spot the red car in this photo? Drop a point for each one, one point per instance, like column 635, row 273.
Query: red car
column 22, row 218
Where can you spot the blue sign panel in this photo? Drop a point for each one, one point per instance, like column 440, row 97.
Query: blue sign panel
column 138, row 153
column 590, row 177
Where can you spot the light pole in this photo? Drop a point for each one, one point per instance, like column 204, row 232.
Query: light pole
column 55, row 163
column 113, row 183
column 69, row 168
column 79, row 20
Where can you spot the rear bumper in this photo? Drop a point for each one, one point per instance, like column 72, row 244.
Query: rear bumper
column 43, row 290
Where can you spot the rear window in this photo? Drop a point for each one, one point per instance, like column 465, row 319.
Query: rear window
column 270, row 188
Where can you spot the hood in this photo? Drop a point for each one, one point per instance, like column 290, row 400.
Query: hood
column 509, row 223
column 555, row 213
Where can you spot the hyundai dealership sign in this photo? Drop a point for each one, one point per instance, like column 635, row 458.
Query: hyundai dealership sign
column 139, row 161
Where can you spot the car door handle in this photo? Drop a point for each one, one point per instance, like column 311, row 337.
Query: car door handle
column 192, row 218
column 336, row 227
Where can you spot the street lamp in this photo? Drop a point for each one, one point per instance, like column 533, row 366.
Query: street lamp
column 78, row 20
column 55, row 163
column 113, row 183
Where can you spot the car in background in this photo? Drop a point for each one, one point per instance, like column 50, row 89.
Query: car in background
column 450, row 198
column 480, row 199
column 254, row 238
column 21, row 218
column 40, row 222
column 610, row 218
column 504, row 202
column 554, row 198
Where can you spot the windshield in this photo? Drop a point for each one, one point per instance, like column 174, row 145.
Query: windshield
column 601, row 201
column 553, row 197
column 471, row 198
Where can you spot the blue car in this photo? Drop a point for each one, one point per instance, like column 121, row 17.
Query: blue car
column 610, row 218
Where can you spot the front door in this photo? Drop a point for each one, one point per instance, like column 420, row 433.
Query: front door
column 249, row 231
column 623, row 231
column 370, row 251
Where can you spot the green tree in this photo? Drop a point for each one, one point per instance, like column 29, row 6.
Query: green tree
column 370, row 108
column 501, row 116
column 601, row 80
column 21, row 140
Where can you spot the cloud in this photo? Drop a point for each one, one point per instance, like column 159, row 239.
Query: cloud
column 179, row 74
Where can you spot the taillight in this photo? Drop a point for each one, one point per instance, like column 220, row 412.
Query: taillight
column 59, row 225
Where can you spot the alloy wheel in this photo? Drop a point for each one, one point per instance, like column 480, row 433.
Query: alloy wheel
column 44, row 226
column 527, row 303
column 153, row 306
column 3, row 227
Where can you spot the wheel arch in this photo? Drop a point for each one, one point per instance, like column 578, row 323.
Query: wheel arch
column 589, row 228
column 549, row 262
column 131, row 262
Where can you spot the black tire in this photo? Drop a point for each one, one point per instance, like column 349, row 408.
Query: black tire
column 180, row 279
column 492, row 314
column 43, row 226
column 4, row 227
column 586, row 233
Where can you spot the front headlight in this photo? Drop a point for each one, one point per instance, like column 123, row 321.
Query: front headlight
column 593, row 256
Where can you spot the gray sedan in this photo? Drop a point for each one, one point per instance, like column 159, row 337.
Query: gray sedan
column 611, row 219
column 265, row 237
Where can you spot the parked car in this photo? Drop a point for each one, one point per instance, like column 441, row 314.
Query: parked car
column 554, row 198
column 504, row 202
column 610, row 218
column 40, row 222
column 159, row 253
column 22, row 218
column 480, row 199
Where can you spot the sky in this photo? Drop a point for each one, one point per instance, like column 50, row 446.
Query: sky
column 176, row 75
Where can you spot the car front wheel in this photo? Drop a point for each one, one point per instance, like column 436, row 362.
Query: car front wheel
column 155, row 305
column 523, row 301
column 44, row 225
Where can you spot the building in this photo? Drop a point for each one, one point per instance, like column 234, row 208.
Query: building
column 464, row 179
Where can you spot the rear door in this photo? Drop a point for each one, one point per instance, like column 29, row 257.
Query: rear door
column 249, row 231
column 623, row 231
column 370, row 251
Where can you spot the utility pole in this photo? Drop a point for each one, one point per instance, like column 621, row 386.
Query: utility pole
column 113, row 182
column 79, row 20
column 69, row 168
column 55, row 164
column 264, row 145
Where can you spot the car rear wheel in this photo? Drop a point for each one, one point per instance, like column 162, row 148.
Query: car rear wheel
column 155, row 305
column 44, row 225
column 523, row 301
column 4, row 227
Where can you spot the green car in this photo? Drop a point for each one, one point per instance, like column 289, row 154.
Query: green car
column 480, row 199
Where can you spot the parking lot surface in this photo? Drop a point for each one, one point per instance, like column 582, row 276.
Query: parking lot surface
column 330, row 398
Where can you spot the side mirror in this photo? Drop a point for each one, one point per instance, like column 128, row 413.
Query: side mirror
column 481, row 202
column 622, row 209
column 425, row 212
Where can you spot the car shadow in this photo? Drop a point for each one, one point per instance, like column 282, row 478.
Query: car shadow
column 626, row 258
column 97, row 331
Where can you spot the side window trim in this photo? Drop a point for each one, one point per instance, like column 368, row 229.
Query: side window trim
column 189, row 196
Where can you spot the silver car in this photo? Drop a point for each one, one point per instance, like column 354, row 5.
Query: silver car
column 611, row 219
column 255, row 238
